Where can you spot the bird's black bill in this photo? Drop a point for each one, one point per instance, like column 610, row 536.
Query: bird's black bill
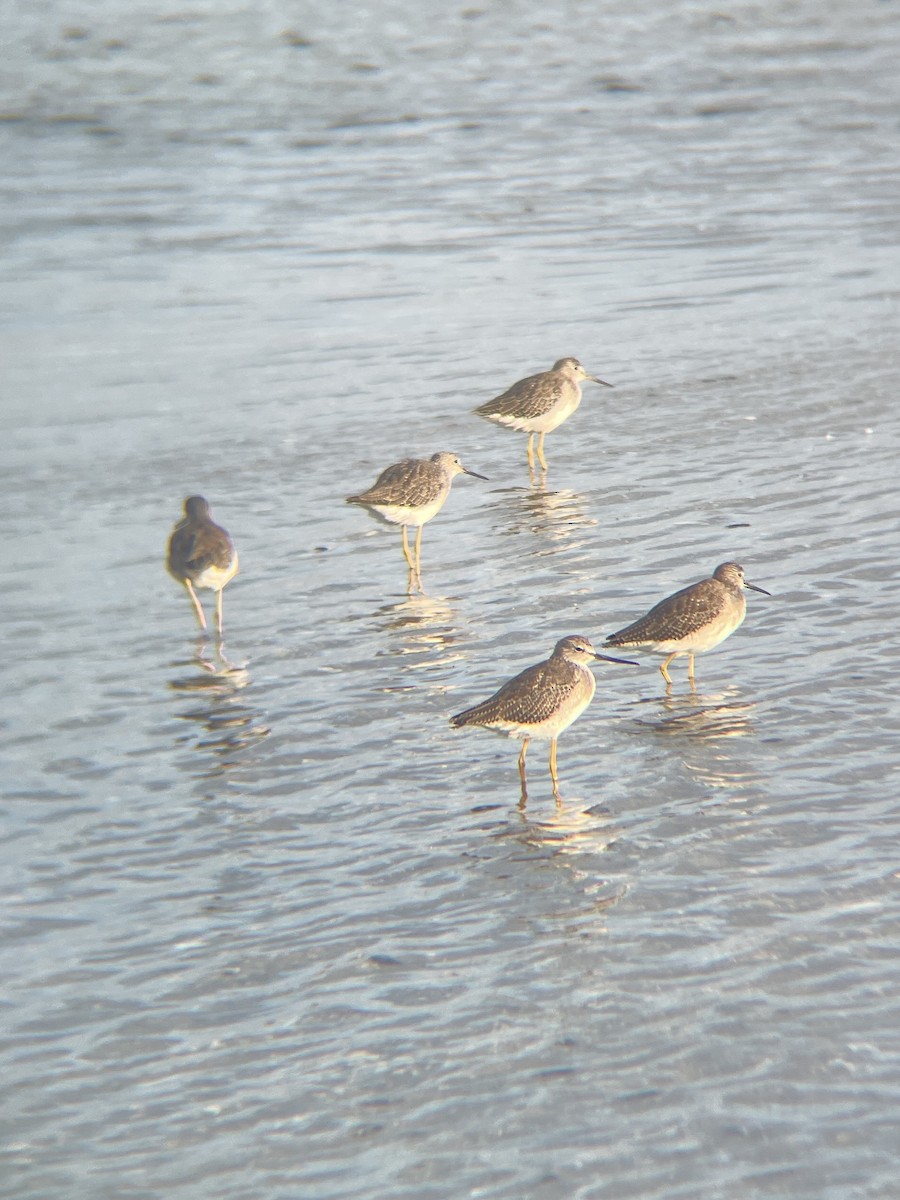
column 475, row 474
column 596, row 380
column 753, row 588
column 628, row 662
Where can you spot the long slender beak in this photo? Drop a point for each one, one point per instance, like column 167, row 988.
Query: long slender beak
column 628, row 662
column 754, row 588
column 474, row 474
column 594, row 379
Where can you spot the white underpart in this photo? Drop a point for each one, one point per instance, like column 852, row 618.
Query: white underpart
column 399, row 514
column 216, row 577
column 545, row 423
column 554, row 725
column 706, row 638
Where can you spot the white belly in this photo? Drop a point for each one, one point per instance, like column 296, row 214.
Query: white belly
column 703, row 639
column 399, row 514
column 217, row 577
column 546, row 422
column 553, row 726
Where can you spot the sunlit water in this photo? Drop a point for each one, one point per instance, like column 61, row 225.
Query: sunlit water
column 272, row 928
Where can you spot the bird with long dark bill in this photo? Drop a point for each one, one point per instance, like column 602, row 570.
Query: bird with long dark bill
column 693, row 620
column 542, row 700
column 410, row 493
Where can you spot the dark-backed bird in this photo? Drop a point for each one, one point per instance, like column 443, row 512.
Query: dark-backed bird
column 542, row 701
column 411, row 492
column 539, row 403
column 201, row 555
column 693, row 620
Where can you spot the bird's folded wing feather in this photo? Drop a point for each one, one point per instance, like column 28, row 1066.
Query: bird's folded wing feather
column 530, row 398
column 679, row 615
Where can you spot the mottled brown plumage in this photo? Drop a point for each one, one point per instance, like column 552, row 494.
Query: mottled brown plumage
column 411, row 492
column 539, row 403
column 535, row 696
column 675, row 618
column 413, row 484
column 692, row 620
column 542, row 700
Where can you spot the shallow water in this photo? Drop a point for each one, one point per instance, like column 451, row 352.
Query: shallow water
column 274, row 929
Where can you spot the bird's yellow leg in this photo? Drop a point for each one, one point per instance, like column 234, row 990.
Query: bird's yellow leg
column 419, row 559
column 553, row 774
column 406, row 553
column 522, row 769
column 540, row 452
column 664, row 668
column 531, row 452
column 691, row 669
column 409, row 560
column 198, row 607
column 219, row 611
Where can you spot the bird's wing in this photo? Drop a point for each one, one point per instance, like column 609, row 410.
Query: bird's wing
column 678, row 615
column 531, row 397
column 529, row 698
column 193, row 548
column 398, row 483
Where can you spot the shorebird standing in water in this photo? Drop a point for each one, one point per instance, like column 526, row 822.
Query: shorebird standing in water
column 411, row 492
column 542, row 701
column 539, row 403
column 693, row 620
column 201, row 555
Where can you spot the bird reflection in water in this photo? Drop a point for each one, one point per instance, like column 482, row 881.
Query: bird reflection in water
column 214, row 659
column 228, row 727
column 569, row 828
column 701, row 725
column 555, row 515
column 571, row 837
column 422, row 628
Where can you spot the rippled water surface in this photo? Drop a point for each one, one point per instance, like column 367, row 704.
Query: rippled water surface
column 271, row 928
